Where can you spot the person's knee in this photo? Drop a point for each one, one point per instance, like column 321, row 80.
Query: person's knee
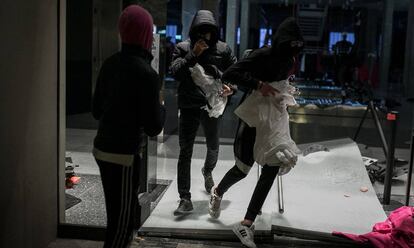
column 186, row 152
column 212, row 143
column 242, row 167
column 213, row 151
column 186, row 145
column 241, row 171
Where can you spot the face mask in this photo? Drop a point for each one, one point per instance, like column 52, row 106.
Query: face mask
column 291, row 49
column 296, row 43
column 205, row 33
column 207, row 37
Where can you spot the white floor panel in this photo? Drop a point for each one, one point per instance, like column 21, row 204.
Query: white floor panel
column 234, row 203
column 322, row 193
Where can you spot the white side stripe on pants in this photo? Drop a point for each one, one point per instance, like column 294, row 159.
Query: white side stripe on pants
column 130, row 194
column 125, row 210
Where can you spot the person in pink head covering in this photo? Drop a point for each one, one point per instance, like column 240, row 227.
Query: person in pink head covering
column 126, row 103
column 135, row 27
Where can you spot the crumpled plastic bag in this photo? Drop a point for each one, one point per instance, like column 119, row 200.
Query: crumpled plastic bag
column 270, row 117
column 212, row 88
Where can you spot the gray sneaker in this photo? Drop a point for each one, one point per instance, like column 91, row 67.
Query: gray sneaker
column 184, row 207
column 214, row 204
column 245, row 234
column 208, row 180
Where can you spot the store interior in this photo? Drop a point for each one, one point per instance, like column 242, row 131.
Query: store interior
column 351, row 76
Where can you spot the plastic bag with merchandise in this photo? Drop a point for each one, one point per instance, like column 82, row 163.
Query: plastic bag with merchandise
column 269, row 115
column 212, row 89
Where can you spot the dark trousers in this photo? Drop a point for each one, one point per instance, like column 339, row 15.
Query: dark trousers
column 120, row 185
column 243, row 148
column 190, row 120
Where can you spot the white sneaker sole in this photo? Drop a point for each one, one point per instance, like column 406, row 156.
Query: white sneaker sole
column 242, row 239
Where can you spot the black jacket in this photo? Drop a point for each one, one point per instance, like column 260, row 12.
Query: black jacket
column 266, row 64
column 216, row 59
column 126, row 101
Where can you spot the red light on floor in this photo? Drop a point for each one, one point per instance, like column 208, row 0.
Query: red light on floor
column 74, row 180
column 391, row 117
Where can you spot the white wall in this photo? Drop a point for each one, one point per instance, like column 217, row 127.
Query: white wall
column 28, row 122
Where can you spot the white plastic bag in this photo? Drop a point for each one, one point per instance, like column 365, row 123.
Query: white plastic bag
column 212, row 88
column 270, row 117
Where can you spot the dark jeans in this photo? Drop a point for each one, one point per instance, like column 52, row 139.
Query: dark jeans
column 243, row 149
column 120, row 184
column 190, row 120
column 263, row 186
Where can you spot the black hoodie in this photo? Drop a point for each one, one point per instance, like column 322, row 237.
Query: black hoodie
column 216, row 59
column 126, row 101
column 204, row 19
column 266, row 64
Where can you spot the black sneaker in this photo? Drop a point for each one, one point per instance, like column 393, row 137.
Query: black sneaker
column 208, row 180
column 185, row 207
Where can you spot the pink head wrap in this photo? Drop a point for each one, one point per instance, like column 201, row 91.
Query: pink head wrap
column 135, row 26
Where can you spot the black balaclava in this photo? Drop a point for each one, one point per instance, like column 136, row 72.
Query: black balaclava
column 204, row 22
column 287, row 32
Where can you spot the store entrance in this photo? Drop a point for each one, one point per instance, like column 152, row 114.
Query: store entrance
column 324, row 193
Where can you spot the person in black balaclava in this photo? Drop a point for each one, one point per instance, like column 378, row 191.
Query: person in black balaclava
column 263, row 65
column 203, row 48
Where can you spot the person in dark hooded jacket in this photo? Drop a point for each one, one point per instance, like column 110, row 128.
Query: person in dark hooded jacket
column 126, row 103
column 261, row 66
column 203, row 47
